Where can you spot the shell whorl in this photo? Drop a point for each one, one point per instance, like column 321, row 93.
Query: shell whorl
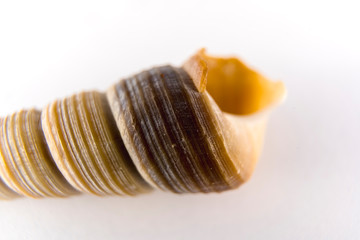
column 26, row 164
column 159, row 129
column 162, row 114
column 87, row 147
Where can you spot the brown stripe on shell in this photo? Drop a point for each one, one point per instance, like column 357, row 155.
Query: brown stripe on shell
column 160, row 108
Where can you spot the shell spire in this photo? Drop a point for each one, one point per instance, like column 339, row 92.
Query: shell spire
column 189, row 129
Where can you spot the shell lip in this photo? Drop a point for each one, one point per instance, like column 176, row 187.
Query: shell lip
column 201, row 67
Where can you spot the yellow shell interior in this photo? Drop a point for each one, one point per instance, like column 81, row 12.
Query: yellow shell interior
column 236, row 88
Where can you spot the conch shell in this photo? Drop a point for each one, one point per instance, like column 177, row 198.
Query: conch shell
column 197, row 128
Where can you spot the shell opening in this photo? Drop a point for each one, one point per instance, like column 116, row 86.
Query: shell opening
column 236, row 88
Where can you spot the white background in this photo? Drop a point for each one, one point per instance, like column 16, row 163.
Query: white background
column 307, row 183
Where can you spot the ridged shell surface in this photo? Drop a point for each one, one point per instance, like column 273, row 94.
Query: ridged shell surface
column 87, row 147
column 170, row 132
column 26, row 165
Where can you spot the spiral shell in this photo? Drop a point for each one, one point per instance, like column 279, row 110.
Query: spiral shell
column 197, row 128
